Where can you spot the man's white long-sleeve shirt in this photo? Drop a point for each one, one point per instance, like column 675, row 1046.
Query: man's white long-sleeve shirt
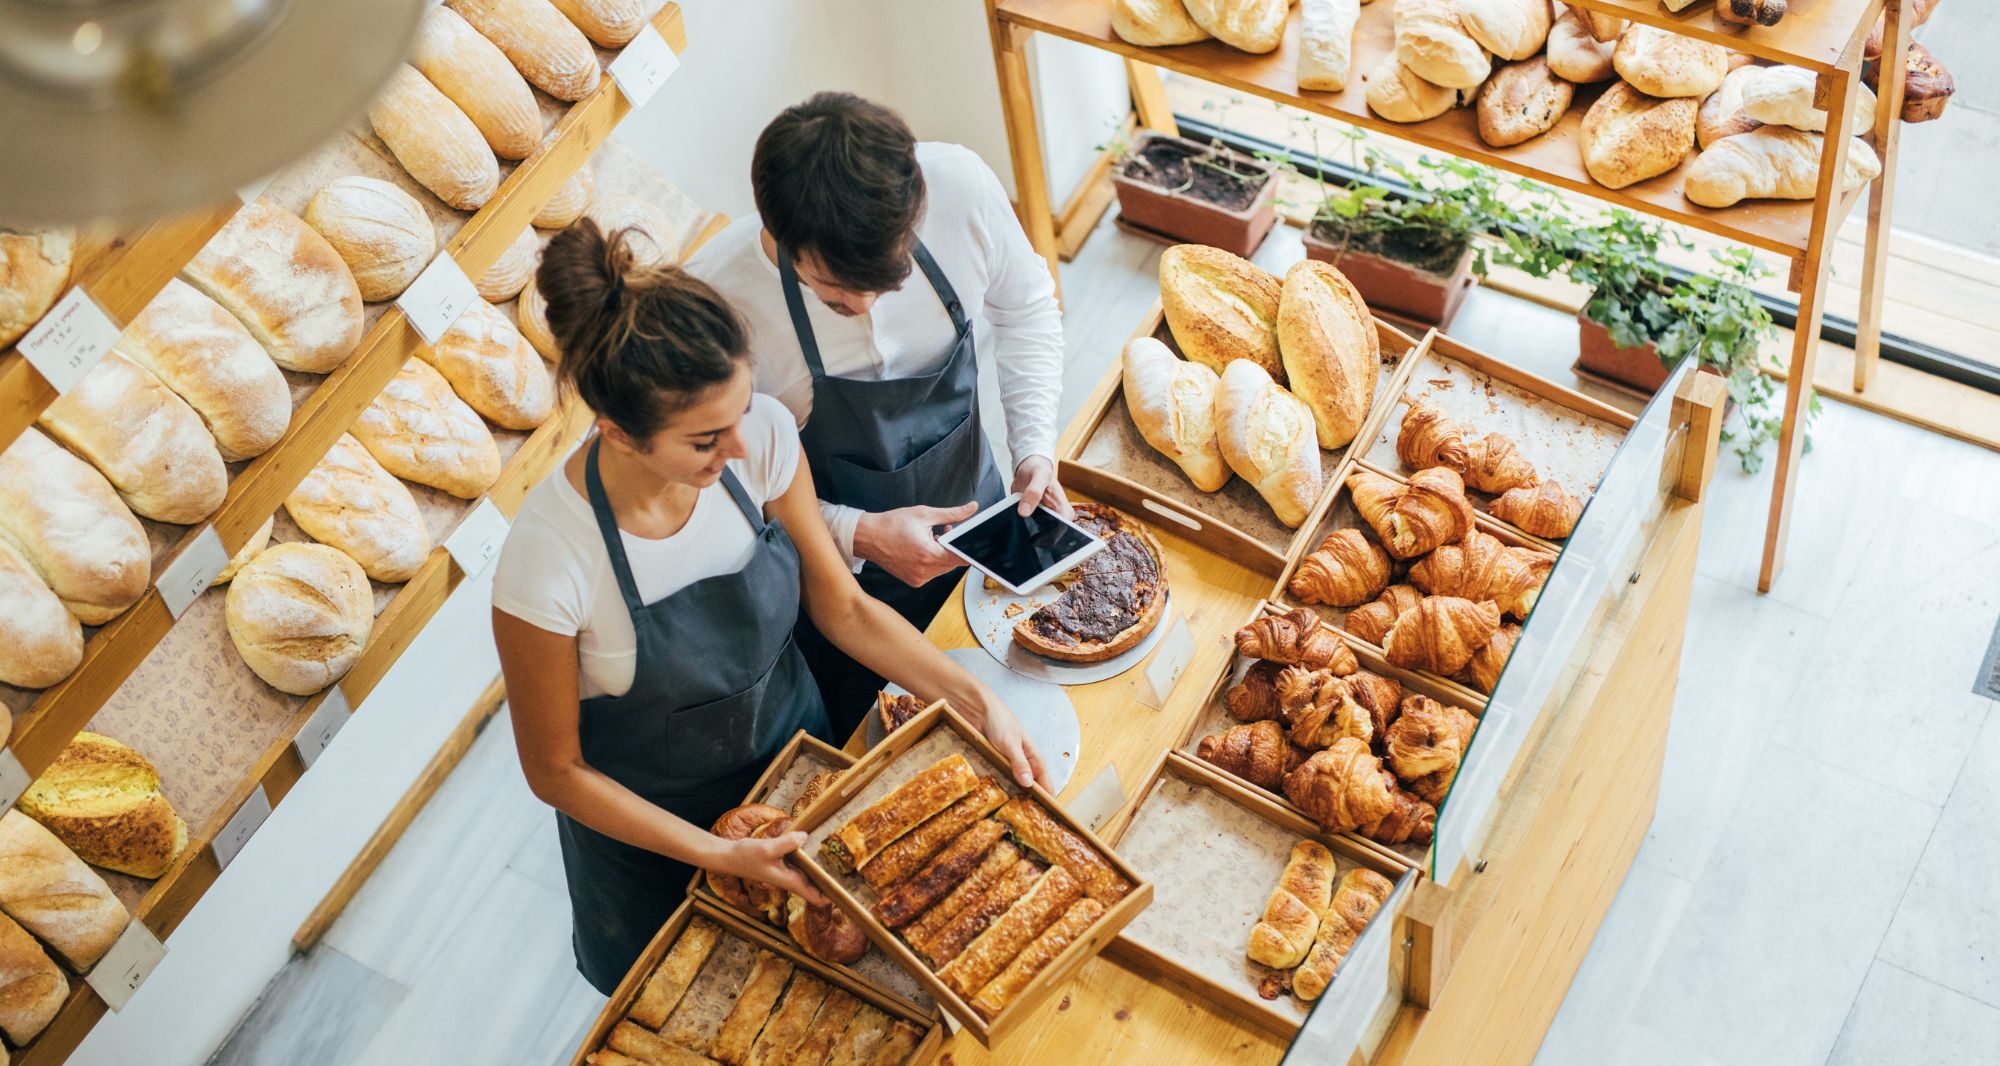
column 971, row 231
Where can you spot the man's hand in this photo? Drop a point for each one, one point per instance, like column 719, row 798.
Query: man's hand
column 903, row 541
column 1035, row 480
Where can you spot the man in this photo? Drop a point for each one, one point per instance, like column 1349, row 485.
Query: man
column 859, row 279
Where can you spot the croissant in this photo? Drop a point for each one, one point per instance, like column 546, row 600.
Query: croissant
column 1483, row 672
column 1343, row 787
column 1412, row 519
column 1371, row 621
column 1430, row 438
column 1347, row 568
column 1543, row 509
column 1481, row 568
column 1427, row 743
column 1255, row 752
column 1298, row 636
column 1320, row 709
column 1441, row 634
column 1380, row 696
column 1255, row 698
column 1284, row 934
column 1355, row 903
column 1411, row 821
column 1493, row 465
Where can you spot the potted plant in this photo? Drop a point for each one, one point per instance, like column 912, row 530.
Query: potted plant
column 1196, row 193
column 1412, row 254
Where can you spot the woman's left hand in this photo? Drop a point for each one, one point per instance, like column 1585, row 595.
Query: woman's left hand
column 1006, row 734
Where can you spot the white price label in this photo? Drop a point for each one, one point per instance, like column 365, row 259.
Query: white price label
column 645, row 64
column 1096, row 802
column 193, row 571
column 439, row 295
column 325, row 722
column 1168, row 660
column 476, row 541
column 69, row 340
column 241, row 826
column 14, row 779
column 132, row 959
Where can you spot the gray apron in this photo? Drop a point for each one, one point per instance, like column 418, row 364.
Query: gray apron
column 717, row 686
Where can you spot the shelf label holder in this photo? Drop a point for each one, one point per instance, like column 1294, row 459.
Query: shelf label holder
column 192, row 572
column 439, row 295
column 241, row 827
column 14, row 779
column 477, row 540
column 327, row 720
column 131, row 959
column 69, row 340
column 645, row 63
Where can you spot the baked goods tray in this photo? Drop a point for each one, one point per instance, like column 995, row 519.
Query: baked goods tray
column 1104, row 456
column 934, row 735
column 700, row 1012
column 781, row 785
column 1214, row 849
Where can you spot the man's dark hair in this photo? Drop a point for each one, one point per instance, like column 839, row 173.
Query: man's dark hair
column 837, row 176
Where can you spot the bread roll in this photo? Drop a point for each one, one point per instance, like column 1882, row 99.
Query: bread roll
column 531, row 313
column 147, row 441
column 1521, row 101
column 552, row 54
column 34, row 271
column 1155, row 23
column 66, row 520
column 1601, row 26
column 258, row 541
column 349, row 502
column 661, row 245
column 209, row 360
column 1629, row 136
column 423, row 433
column 1783, row 96
column 1172, row 401
column 1774, row 163
column 1662, row 63
column 570, row 201
column 299, row 615
column 1268, row 438
column 380, row 231
column 1332, row 353
column 286, row 284
column 610, row 23
column 504, row 279
column 103, row 800
column 1221, row 307
column 434, row 140
column 40, row 641
column 1255, row 26
column 1432, row 42
column 474, row 74
column 55, row 895
column 1045, row 835
column 1396, row 93
column 1927, row 85
column 1575, row 55
column 1326, row 43
column 1510, row 29
column 32, row 988
column 492, row 368
column 1721, row 113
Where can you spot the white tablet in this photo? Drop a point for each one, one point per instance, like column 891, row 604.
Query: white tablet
column 1022, row 553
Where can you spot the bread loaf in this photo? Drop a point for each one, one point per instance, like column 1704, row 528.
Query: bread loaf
column 570, row 201
column 661, row 246
column 1397, row 93
column 1432, row 42
column 299, row 615
column 1774, row 162
column 421, row 432
column 492, row 368
column 434, row 140
column 1172, row 401
column 103, row 800
column 1721, row 113
column 504, row 279
column 531, row 313
column 258, row 541
column 1783, row 96
column 1662, row 63
column 1221, row 307
column 552, row 54
column 1155, row 23
column 62, row 517
column 211, row 362
column 1575, row 55
column 34, row 270
column 1927, row 85
column 1520, row 102
column 40, row 641
column 380, row 231
column 1326, row 43
column 1331, row 351
column 1510, row 29
column 349, row 502
column 1629, row 136
column 474, row 74
column 610, row 23
column 1268, row 438
column 32, row 987
column 147, row 441
column 1255, row 26
column 286, row 284
column 55, row 895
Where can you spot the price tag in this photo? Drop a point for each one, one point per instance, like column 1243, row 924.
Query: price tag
column 439, row 295
column 132, row 959
column 645, row 64
column 1164, row 666
column 476, row 541
column 193, row 571
column 69, row 340
column 242, row 825
column 1096, row 802
column 326, row 721
column 14, row 779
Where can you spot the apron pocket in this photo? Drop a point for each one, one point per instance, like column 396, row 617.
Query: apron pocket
column 947, row 473
column 725, row 735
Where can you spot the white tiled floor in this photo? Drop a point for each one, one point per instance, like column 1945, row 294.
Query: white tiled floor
column 1817, row 886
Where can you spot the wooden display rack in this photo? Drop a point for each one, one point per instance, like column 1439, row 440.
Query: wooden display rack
column 1825, row 36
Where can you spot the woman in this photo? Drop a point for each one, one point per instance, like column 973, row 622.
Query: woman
column 644, row 602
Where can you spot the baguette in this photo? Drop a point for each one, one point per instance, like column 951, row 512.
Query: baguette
column 1035, row 958
column 903, row 809
column 419, row 431
column 1172, row 402
column 147, row 441
column 902, row 904
column 1036, row 828
column 434, row 140
column 474, row 74
column 1268, row 436
column 788, row 1025
column 379, row 231
column 1013, row 931
column 34, row 270
column 215, row 366
column 68, row 524
column 991, row 869
column 899, row 860
column 55, row 895
column 40, row 641
column 552, row 54
column 32, row 988
column 663, row 990
column 1331, row 352
column 493, row 368
column 610, row 23
column 761, row 989
column 980, row 913
column 286, row 284
column 349, row 502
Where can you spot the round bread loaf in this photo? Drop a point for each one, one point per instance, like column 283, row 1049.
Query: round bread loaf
column 1155, row 23
column 258, row 542
column 210, row 361
column 570, row 201
column 1662, row 63
column 68, row 523
column 504, row 279
column 1521, row 101
column 349, row 502
column 434, row 140
column 609, row 23
column 380, row 231
column 34, row 268
column 40, row 641
column 103, row 799
column 492, row 368
column 286, row 284
column 477, row 77
column 531, row 312
column 1510, row 29
column 146, row 440
column 661, row 245
column 299, row 615
column 1629, row 136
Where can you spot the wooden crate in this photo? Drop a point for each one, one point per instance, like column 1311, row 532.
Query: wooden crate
column 1103, row 454
column 1232, row 812
column 755, row 935
column 829, row 813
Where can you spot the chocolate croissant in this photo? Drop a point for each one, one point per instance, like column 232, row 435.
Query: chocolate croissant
column 1255, row 752
column 1299, row 636
column 1320, row 708
column 1410, row 821
column 1483, row 672
column 1346, row 569
column 1255, row 698
column 1543, row 509
column 1342, row 788
column 1430, row 438
column 1429, row 511
column 1493, row 465
column 1380, row 696
column 1481, row 568
column 1427, row 743
column 1371, row 621
column 1441, row 634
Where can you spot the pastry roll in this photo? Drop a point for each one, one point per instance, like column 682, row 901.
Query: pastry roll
column 1013, row 932
column 836, row 1012
column 787, row 1028
column 898, row 860
column 864, row 1036
column 980, row 913
column 669, row 982
column 608, row 1057
column 991, row 868
column 1036, row 957
column 907, row 807
column 1355, row 902
column 760, row 993
column 1052, row 840
column 902, row 904
column 634, row 1044
column 816, row 786
column 897, row 1046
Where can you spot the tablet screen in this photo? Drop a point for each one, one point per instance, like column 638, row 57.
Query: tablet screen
column 1015, row 549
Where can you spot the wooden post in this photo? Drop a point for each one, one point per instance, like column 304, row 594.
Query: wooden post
column 1429, row 915
column 1031, row 175
column 1698, row 405
column 1149, row 98
column 1888, row 132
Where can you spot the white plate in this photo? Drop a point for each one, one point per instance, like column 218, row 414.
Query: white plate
column 986, row 614
column 1045, row 712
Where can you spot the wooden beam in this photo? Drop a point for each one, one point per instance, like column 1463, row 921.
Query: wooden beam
column 1698, row 405
column 1149, row 97
column 1888, row 134
column 1031, row 174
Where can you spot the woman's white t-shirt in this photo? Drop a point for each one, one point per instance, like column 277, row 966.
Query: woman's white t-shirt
column 554, row 572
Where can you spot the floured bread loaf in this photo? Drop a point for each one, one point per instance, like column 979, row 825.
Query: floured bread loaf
column 66, row 520
column 34, row 269
column 286, row 284
column 210, row 361
column 146, row 440
column 380, row 231
column 491, row 367
column 504, row 279
column 300, row 615
column 421, row 432
column 349, row 502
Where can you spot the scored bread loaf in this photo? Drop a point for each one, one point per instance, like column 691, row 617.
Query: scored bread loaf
column 258, row 541
column 1783, row 96
column 421, row 432
column 349, row 502
column 285, row 283
column 300, row 615
column 1662, row 63
column 1510, row 29
column 1576, row 56
column 1326, row 43
column 1221, row 307
column 610, row 23
column 573, row 199
column 1255, row 26
column 654, row 244
column 1629, row 136
column 40, row 641
column 509, row 273
column 209, row 360
column 1331, row 351
column 34, row 269
column 552, row 54
column 1432, row 42
column 1521, row 101
column 1399, row 94
column 1722, row 113
column 103, row 800
column 1268, row 437
column 434, row 140
column 474, row 74
column 1772, row 162
column 32, row 986
column 531, row 314
column 1172, row 401
column 380, row 231
column 1155, row 23
column 55, row 894
column 147, row 441
column 493, row 368
column 66, row 520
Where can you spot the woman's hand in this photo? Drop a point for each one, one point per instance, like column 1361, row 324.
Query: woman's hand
column 763, row 859
column 1006, row 734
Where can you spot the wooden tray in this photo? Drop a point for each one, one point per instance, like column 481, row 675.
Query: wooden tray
column 1103, row 454
column 932, row 735
column 1215, row 847
column 752, row 934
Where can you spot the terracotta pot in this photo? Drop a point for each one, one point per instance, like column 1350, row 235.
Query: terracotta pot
column 1398, row 287
column 1638, row 367
column 1192, row 220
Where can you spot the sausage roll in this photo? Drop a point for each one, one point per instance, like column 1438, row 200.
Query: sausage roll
column 1053, row 841
column 1036, row 957
column 902, row 904
column 896, row 861
column 904, row 809
column 981, row 912
column 1009, row 935
column 669, row 982
column 646, row 1046
column 991, row 868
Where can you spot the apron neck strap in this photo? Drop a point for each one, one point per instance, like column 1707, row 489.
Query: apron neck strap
column 607, row 527
column 942, row 286
column 737, row 492
column 795, row 303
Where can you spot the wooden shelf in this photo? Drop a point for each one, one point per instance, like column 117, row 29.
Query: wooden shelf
column 1814, row 33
